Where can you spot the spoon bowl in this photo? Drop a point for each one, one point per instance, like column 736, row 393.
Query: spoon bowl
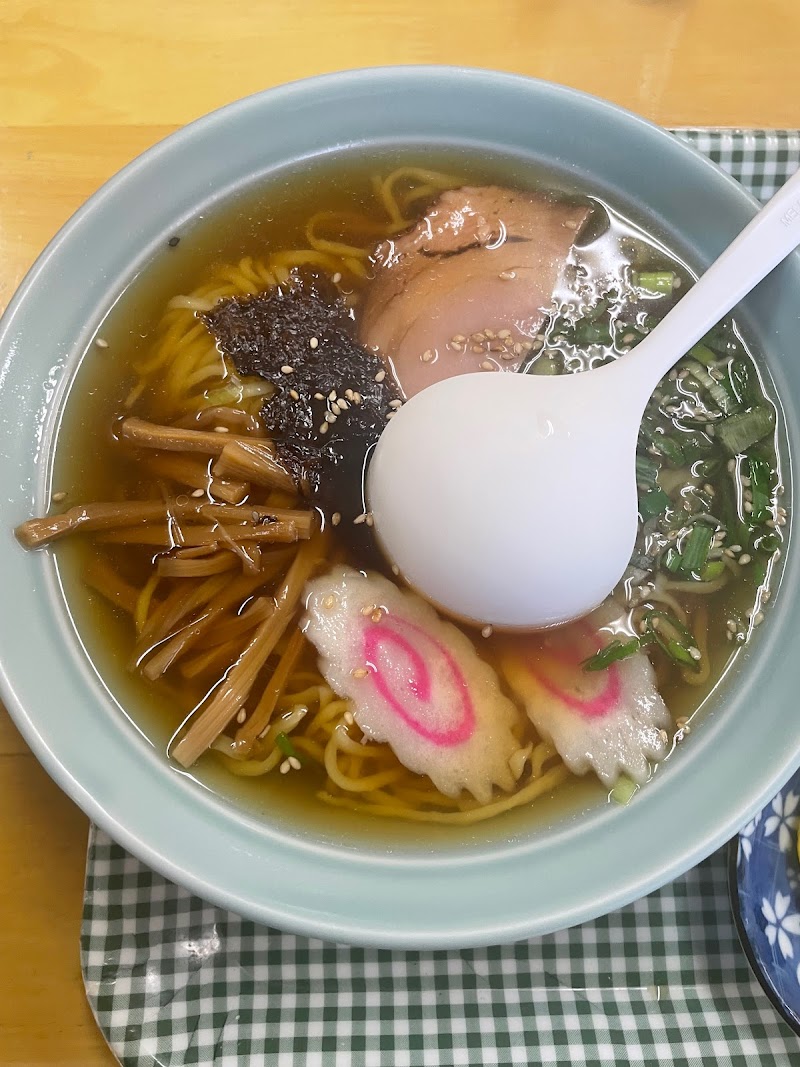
column 447, row 504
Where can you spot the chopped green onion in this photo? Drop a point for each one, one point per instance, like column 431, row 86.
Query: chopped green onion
column 695, row 552
column 624, row 790
column 725, row 401
column 760, row 479
column 738, row 531
column 672, row 560
column 717, row 339
column 703, row 354
column 742, row 383
column 737, row 433
column 767, row 543
column 545, row 365
column 285, row 745
column 653, row 502
column 600, row 308
column 613, row 652
column 646, row 471
column 672, row 637
column 655, row 281
column 713, row 569
column 591, row 333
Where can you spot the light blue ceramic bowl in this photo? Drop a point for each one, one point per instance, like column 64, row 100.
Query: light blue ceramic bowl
column 416, row 894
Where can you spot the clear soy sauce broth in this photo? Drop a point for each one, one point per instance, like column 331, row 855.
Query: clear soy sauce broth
column 596, row 316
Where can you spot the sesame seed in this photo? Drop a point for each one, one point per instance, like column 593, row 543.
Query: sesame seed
column 628, row 337
column 744, row 480
column 377, row 615
column 486, row 365
column 395, row 403
column 459, row 338
column 765, row 596
column 736, row 548
column 744, row 559
column 664, row 736
column 318, row 396
column 487, row 631
column 676, row 282
column 293, row 393
column 490, row 334
column 332, row 394
column 728, row 552
column 731, row 624
column 349, row 394
column 369, row 519
column 336, row 278
column 101, row 342
column 507, row 355
column 286, row 767
column 504, row 334
column 330, row 417
column 329, row 602
column 395, row 569
column 241, row 716
column 748, row 506
column 570, row 224
column 390, row 415
column 349, row 718
column 199, row 492
column 478, row 337
column 781, row 520
column 357, row 397
column 458, row 346
column 359, row 672
column 477, row 349
column 731, row 465
column 694, row 653
column 286, row 369
column 682, row 722
column 368, row 609
column 380, row 375
column 313, row 343
column 323, row 428
column 507, row 275
column 342, row 404
column 58, row 497
column 336, row 518
column 294, row 763
column 758, row 618
column 359, row 519
column 221, row 429
column 426, row 356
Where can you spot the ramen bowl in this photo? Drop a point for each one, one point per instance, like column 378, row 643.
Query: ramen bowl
column 421, row 890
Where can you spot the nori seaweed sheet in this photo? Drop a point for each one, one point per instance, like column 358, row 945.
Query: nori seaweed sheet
column 263, row 334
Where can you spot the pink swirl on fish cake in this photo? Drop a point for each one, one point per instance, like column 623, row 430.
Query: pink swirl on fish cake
column 382, row 635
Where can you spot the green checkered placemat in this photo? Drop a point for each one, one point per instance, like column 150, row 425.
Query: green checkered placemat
column 174, row 981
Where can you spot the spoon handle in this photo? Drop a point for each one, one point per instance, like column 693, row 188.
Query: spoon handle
column 760, row 247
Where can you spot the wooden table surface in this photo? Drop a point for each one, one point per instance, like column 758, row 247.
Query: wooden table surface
column 86, row 84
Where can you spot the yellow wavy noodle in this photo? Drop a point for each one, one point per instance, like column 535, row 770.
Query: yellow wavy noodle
column 366, row 776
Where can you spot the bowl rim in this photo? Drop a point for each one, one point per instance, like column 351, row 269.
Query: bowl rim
column 390, row 932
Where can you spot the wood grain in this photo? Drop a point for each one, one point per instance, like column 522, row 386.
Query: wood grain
column 86, row 85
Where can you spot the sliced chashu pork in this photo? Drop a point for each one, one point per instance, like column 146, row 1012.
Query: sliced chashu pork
column 483, row 261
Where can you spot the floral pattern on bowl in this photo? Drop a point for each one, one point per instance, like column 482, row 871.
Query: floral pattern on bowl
column 765, row 895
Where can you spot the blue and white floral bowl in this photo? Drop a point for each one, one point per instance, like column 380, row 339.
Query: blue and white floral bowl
column 765, row 895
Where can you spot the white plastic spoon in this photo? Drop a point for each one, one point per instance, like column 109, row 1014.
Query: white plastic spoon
column 510, row 499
